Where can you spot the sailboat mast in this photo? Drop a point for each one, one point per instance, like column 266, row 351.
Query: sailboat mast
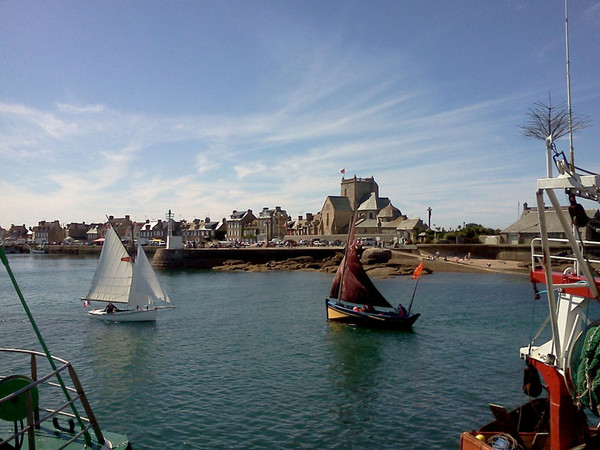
column 569, row 87
column 349, row 241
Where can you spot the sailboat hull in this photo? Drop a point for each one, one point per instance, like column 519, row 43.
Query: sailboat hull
column 130, row 315
column 339, row 312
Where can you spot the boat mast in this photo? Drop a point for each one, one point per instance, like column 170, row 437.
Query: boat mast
column 569, row 87
column 349, row 242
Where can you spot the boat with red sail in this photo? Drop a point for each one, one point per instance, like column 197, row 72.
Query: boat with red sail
column 354, row 299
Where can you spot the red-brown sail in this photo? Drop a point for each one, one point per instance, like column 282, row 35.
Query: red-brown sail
column 356, row 286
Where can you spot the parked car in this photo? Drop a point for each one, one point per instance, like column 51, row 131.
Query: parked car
column 368, row 242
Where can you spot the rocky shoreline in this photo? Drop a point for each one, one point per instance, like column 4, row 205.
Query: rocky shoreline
column 380, row 263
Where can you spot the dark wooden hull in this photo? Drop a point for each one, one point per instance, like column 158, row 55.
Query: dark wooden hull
column 339, row 312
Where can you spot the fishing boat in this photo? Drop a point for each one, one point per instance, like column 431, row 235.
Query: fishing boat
column 569, row 362
column 129, row 287
column 354, row 299
column 42, row 402
column 39, row 250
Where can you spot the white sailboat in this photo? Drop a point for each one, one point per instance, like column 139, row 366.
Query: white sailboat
column 129, row 287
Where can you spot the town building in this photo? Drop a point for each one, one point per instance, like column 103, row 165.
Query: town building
column 240, row 227
column 524, row 230
column 17, row 234
column 96, row 233
column 125, row 228
column 311, row 225
column 272, row 224
column 198, row 232
column 77, row 231
column 48, row 232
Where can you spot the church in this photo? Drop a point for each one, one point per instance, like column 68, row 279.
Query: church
column 375, row 214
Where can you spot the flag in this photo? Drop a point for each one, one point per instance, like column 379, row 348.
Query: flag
column 418, row 270
column 126, row 259
column 343, row 171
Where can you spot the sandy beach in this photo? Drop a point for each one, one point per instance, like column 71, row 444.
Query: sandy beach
column 455, row 264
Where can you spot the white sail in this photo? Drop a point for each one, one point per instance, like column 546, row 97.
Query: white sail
column 114, row 274
column 145, row 288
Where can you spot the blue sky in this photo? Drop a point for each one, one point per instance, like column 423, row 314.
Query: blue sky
column 205, row 107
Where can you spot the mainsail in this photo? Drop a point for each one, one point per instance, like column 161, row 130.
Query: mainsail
column 352, row 284
column 114, row 274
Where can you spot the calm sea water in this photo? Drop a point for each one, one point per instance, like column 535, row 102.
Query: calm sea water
column 248, row 360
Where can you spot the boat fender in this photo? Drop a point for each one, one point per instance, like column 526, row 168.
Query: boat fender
column 532, row 385
column 57, row 426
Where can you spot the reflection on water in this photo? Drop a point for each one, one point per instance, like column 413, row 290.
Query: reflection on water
column 122, row 355
column 354, row 371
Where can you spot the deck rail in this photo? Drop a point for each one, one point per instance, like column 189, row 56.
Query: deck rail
column 560, row 247
column 60, row 409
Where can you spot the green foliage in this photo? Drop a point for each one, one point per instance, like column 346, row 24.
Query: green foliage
column 471, row 232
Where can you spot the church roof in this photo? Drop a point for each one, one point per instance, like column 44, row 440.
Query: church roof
column 374, row 203
column 367, row 223
column 389, row 211
column 340, row 203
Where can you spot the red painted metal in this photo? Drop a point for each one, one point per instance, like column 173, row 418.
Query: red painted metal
column 567, row 429
column 539, row 276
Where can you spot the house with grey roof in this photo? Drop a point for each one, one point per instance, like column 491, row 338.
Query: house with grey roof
column 407, row 230
column 241, row 226
column 524, row 230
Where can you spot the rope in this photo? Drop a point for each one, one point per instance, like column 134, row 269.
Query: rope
column 503, row 441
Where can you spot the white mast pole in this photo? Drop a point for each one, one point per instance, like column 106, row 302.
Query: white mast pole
column 569, row 87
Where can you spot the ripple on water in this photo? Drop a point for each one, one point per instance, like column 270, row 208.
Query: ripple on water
column 248, row 360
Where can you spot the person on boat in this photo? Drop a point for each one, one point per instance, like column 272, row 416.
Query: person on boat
column 368, row 308
column 110, row 308
column 402, row 312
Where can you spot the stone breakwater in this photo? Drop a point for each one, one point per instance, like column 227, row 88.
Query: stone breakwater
column 329, row 265
column 377, row 262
